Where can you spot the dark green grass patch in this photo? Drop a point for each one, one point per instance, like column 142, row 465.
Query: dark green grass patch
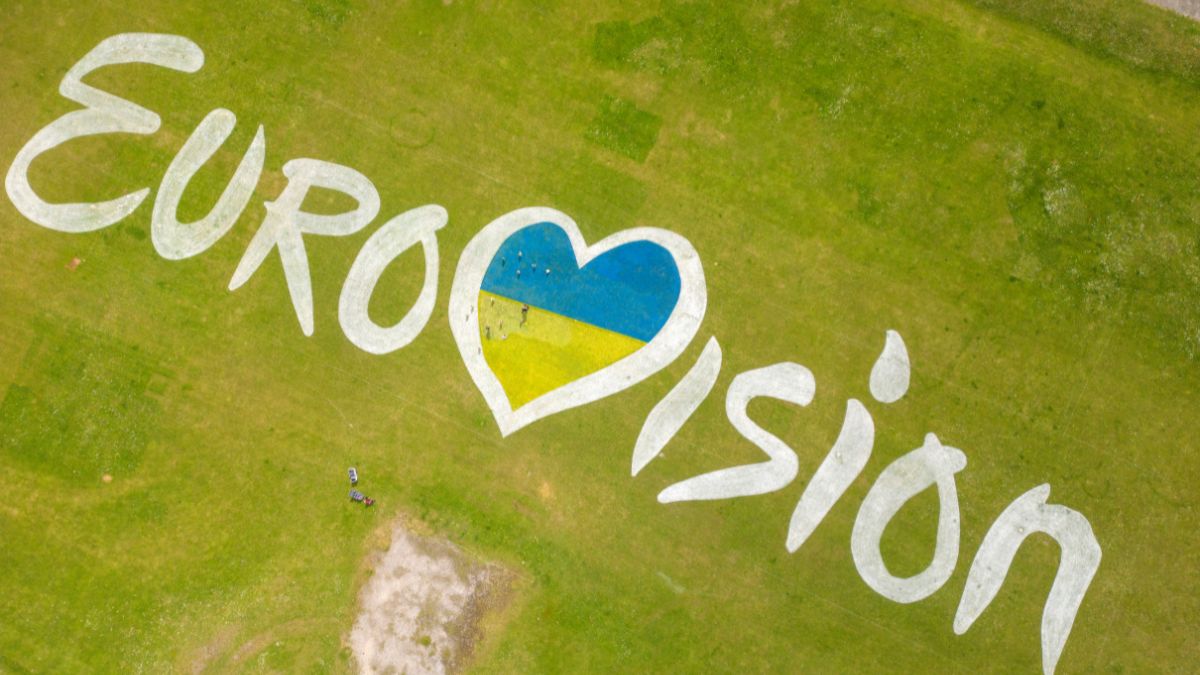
column 623, row 128
column 80, row 407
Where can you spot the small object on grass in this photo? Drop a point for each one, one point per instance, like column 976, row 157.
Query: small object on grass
column 353, row 476
column 356, row 496
column 75, row 262
column 368, row 501
column 107, row 478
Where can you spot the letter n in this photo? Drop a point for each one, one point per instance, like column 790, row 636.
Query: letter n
column 1027, row 514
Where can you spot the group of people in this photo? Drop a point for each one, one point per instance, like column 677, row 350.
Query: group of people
column 520, row 259
column 355, row 495
column 487, row 327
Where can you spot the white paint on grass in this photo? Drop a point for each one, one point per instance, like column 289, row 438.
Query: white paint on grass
column 786, row 381
column 174, row 240
column 103, row 113
column 418, row 226
column 890, row 374
column 1078, row 563
column 286, row 224
column 420, row 594
column 903, row 479
column 841, row 466
column 668, row 344
column 670, row 414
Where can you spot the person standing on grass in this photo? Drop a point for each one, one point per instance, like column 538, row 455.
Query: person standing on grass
column 524, row 314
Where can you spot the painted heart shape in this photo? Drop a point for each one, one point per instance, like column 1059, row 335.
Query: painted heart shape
column 604, row 317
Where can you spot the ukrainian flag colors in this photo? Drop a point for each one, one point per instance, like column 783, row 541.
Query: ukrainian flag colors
column 579, row 320
column 547, row 352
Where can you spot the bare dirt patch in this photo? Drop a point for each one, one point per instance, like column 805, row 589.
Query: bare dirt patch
column 207, row 654
column 1190, row 8
column 422, row 611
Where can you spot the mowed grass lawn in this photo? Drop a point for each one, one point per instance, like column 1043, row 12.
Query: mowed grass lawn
column 1010, row 184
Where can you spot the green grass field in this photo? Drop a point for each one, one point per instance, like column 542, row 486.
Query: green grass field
column 1011, row 184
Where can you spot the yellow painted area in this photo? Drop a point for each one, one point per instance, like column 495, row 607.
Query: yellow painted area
column 547, row 351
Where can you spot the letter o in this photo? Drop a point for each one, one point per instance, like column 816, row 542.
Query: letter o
column 903, row 479
column 396, row 236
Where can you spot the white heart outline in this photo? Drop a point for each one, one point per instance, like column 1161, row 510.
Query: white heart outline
column 658, row 353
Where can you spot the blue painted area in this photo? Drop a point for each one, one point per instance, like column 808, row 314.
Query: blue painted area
column 631, row 289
